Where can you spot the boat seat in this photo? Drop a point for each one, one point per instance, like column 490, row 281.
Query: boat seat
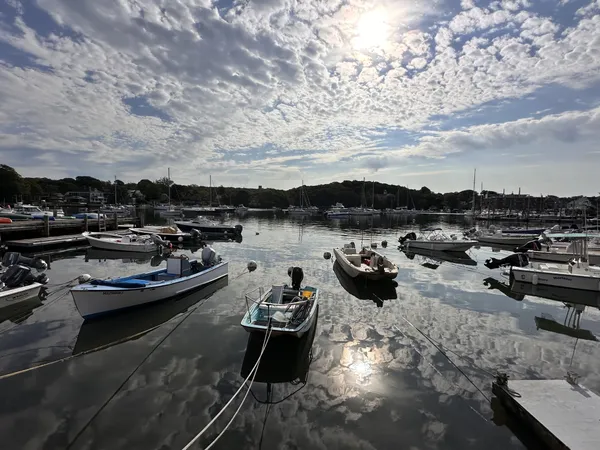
column 354, row 259
column 349, row 250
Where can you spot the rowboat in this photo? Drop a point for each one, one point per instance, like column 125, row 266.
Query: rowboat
column 121, row 243
column 367, row 263
column 285, row 310
column 132, row 324
column 181, row 276
column 435, row 239
column 362, row 289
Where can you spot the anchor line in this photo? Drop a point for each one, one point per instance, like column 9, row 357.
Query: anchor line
column 97, row 413
column 449, row 359
column 252, row 374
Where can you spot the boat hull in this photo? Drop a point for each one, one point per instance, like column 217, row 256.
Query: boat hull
column 94, row 301
column 14, row 296
column 172, row 237
column 440, row 246
column 104, row 244
column 555, row 278
column 505, row 240
column 561, row 257
column 207, row 229
column 355, row 272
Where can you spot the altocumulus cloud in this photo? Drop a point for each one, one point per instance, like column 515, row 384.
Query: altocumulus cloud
column 126, row 86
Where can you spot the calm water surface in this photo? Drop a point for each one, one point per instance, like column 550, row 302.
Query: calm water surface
column 372, row 381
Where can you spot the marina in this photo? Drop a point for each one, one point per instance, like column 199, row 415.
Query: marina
column 356, row 343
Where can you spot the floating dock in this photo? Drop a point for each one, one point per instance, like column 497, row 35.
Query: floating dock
column 561, row 414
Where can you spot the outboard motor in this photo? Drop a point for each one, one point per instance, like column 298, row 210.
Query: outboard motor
column 238, row 229
column 352, row 245
column 160, row 241
column 209, row 256
column 297, row 275
column 518, row 259
column 15, row 276
column 409, row 236
column 14, row 258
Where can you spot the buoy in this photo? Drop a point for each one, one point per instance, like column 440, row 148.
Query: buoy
column 252, row 266
column 534, row 279
column 384, row 244
column 373, row 244
column 327, row 255
column 84, row 278
column 180, row 238
column 257, row 233
column 5, row 220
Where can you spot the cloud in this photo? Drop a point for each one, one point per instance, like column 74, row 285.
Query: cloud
column 189, row 83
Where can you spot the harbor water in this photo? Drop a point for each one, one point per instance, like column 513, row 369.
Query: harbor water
column 153, row 378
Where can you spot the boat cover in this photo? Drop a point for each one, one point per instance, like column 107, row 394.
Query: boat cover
column 127, row 284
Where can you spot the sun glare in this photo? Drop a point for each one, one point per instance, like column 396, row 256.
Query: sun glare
column 371, row 30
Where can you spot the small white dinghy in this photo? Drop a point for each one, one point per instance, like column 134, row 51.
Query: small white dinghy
column 121, row 243
column 98, row 297
column 288, row 310
column 367, row 263
column 435, row 239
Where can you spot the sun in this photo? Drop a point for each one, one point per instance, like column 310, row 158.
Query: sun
column 371, row 30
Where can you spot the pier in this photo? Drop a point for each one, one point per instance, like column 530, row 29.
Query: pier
column 33, row 235
column 559, row 413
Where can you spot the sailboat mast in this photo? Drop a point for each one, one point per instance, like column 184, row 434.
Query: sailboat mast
column 373, row 197
column 302, row 195
column 169, row 184
column 115, row 189
column 474, row 178
column 210, row 190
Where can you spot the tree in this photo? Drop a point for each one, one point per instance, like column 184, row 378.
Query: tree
column 150, row 190
column 11, row 184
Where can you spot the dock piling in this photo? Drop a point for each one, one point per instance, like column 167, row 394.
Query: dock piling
column 46, row 226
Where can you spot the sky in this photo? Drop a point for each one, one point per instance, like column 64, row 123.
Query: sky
column 276, row 92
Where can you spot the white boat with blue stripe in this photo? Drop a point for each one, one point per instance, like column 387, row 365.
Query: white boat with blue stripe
column 181, row 276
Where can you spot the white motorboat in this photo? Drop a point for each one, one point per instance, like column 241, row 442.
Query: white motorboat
column 170, row 233
column 99, row 297
column 575, row 275
column 366, row 264
column 241, row 209
column 435, row 239
column 17, row 283
column 337, row 211
column 562, row 255
column 286, row 310
column 503, row 239
column 121, row 243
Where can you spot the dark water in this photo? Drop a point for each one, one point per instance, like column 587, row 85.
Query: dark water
column 372, row 381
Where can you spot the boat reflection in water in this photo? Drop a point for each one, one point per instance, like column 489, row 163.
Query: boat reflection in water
column 432, row 259
column 19, row 312
column 127, row 257
column 569, row 327
column 285, row 362
column 377, row 291
column 135, row 323
column 492, row 283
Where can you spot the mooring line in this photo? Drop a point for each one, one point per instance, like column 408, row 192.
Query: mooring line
column 252, row 374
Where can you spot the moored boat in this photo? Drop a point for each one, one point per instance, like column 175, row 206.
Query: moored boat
column 209, row 227
column 282, row 309
column 100, row 297
column 18, row 283
column 121, row 243
column 575, row 275
column 367, row 263
column 435, row 239
column 170, row 233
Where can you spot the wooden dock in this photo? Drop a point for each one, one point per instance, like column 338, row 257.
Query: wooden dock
column 36, row 229
column 561, row 414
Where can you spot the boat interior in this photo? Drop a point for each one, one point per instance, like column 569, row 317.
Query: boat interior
column 283, row 306
column 176, row 268
column 366, row 258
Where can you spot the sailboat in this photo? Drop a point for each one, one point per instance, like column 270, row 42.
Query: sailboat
column 305, row 208
column 364, row 210
column 171, row 211
column 472, row 212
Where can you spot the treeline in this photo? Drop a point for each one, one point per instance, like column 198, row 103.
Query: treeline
column 350, row 193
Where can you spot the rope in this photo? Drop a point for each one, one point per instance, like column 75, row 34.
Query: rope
column 133, row 372
column 252, row 374
column 447, row 357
